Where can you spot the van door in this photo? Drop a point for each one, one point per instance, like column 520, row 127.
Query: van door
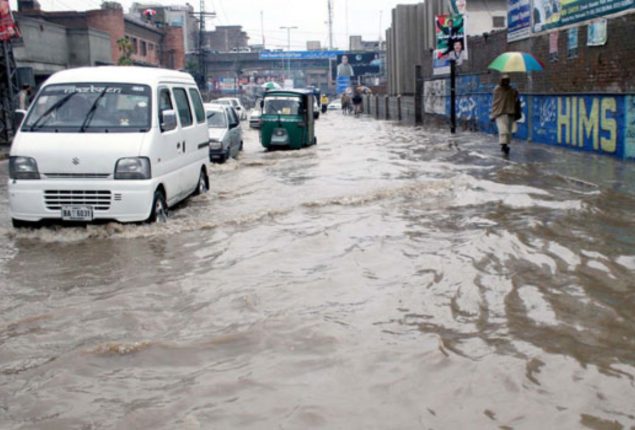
column 234, row 131
column 199, row 154
column 188, row 143
column 168, row 150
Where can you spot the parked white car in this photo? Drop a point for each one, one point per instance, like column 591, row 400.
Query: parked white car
column 225, row 132
column 115, row 143
column 335, row 105
column 235, row 103
column 254, row 118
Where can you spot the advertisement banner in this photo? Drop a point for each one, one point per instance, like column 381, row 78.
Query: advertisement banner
column 353, row 65
column 8, row 28
column 299, row 55
column 553, row 46
column 572, row 43
column 518, row 19
column 596, row 33
column 549, row 14
column 451, row 44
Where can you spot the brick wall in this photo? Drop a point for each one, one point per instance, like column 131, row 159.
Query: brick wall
column 110, row 21
column 173, row 49
column 608, row 69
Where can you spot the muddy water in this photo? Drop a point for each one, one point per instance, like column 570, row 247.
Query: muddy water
column 389, row 278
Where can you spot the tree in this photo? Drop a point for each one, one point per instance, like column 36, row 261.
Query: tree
column 125, row 47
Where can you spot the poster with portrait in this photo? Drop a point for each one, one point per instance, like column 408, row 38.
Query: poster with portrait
column 8, row 28
column 451, row 43
column 355, row 64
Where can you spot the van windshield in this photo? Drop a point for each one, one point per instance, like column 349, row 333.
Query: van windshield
column 95, row 108
column 282, row 106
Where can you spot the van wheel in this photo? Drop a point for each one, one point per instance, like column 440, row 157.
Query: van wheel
column 17, row 223
column 203, row 183
column 241, row 146
column 159, row 213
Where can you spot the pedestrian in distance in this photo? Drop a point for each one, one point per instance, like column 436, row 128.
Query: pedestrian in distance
column 24, row 97
column 324, row 101
column 505, row 111
column 357, row 101
column 346, row 103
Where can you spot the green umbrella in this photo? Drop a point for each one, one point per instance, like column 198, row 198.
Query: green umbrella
column 271, row 86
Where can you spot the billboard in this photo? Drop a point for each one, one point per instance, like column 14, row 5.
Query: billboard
column 550, row 14
column 518, row 19
column 8, row 28
column 352, row 64
column 451, row 44
column 300, row 55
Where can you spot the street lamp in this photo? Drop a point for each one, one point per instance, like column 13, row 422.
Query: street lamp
column 288, row 45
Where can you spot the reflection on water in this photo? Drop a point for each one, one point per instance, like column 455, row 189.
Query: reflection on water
column 387, row 278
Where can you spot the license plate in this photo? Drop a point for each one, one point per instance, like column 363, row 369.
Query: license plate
column 77, row 213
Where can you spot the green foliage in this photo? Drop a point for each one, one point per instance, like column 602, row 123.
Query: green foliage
column 125, row 47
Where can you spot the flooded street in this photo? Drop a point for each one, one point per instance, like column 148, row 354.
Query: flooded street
column 387, row 278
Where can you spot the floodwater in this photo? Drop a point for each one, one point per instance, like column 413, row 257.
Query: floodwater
column 388, row 278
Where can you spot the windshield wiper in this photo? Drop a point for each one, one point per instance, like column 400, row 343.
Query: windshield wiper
column 91, row 111
column 56, row 106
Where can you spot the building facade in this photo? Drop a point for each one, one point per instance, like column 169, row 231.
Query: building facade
column 71, row 39
column 175, row 16
column 226, row 38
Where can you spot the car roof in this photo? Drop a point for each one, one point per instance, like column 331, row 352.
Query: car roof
column 215, row 107
column 289, row 92
column 120, row 74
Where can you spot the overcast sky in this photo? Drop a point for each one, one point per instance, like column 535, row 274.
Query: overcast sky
column 309, row 16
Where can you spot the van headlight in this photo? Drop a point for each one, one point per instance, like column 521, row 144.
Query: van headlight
column 133, row 168
column 215, row 144
column 23, row 168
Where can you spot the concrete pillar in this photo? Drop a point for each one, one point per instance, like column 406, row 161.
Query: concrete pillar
column 399, row 116
column 387, row 106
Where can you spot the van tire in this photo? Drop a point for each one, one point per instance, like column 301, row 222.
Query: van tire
column 241, row 146
column 203, row 183
column 159, row 211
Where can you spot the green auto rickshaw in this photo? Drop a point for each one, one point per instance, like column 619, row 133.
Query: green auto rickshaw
column 288, row 119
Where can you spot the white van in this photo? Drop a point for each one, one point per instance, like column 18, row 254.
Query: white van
column 120, row 143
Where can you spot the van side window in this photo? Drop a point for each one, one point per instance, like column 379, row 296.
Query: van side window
column 198, row 105
column 183, row 106
column 165, row 102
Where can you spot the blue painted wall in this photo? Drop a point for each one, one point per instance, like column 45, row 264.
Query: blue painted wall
column 603, row 123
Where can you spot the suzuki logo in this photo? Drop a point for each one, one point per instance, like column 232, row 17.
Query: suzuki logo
column 76, row 161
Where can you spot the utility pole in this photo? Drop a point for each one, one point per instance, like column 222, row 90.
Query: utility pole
column 289, row 45
column 202, row 65
column 348, row 39
column 330, row 5
column 262, row 27
column 381, row 15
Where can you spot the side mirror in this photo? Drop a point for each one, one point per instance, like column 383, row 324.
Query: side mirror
column 233, row 124
column 316, row 115
column 262, row 104
column 168, row 120
column 18, row 117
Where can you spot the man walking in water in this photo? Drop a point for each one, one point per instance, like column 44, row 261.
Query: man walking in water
column 504, row 112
